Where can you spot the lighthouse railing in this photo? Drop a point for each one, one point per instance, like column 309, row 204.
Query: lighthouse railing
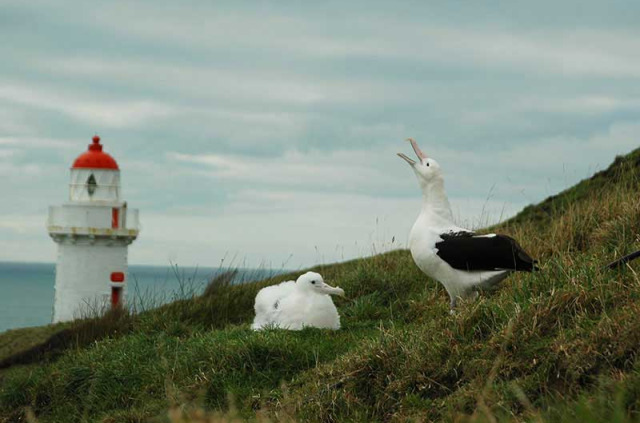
column 92, row 219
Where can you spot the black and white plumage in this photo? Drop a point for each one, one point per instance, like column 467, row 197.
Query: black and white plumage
column 462, row 261
column 468, row 251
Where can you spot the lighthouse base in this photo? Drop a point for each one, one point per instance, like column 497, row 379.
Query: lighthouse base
column 83, row 276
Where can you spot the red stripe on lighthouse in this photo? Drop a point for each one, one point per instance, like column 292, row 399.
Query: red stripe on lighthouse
column 117, row 277
column 115, row 218
column 115, row 296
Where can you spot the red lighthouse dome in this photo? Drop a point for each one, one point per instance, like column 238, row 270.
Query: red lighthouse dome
column 95, row 158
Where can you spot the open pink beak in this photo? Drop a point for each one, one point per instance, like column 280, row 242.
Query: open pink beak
column 417, row 150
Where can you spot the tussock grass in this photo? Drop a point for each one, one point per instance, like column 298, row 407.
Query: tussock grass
column 16, row 341
column 557, row 345
column 77, row 334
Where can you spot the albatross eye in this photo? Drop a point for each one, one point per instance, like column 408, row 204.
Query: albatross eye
column 427, row 163
column 313, row 282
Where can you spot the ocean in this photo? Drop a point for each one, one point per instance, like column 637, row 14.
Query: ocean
column 28, row 288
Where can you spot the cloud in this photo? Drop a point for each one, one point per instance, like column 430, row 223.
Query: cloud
column 10, row 170
column 118, row 114
column 268, row 130
column 296, row 226
column 32, row 225
column 577, row 52
column 13, row 121
column 312, row 228
column 336, row 170
column 245, row 90
column 527, row 106
column 208, row 81
column 6, row 153
column 48, row 143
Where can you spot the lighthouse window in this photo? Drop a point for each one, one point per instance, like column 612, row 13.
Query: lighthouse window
column 91, row 184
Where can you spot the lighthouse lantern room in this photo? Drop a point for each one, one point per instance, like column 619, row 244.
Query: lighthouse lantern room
column 93, row 231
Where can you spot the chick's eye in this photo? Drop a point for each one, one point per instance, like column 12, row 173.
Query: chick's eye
column 427, row 163
column 313, row 282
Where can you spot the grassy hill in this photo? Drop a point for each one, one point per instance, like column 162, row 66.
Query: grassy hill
column 558, row 345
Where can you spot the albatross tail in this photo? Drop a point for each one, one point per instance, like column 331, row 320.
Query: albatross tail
column 623, row 260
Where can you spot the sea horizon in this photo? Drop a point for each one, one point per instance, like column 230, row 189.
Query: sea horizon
column 29, row 288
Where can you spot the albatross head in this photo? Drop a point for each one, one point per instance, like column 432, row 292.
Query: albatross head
column 426, row 169
column 313, row 282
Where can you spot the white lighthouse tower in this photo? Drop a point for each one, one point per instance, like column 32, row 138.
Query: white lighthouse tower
column 93, row 231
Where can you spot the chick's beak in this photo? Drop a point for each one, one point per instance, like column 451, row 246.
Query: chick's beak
column 333, row 291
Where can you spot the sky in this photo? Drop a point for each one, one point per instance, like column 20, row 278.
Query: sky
column 265, row 133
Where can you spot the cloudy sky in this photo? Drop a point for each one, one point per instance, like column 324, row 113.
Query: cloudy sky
column 265, row 132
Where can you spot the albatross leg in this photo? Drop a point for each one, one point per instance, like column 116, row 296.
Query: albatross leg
column 493, row 283
column 452, row 305
column 470, row 296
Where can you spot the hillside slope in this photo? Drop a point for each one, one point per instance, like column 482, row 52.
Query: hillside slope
column 558, row 345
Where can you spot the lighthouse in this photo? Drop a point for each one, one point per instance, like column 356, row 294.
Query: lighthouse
column 93, row 230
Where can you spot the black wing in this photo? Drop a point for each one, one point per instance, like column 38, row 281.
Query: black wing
column 468, row 251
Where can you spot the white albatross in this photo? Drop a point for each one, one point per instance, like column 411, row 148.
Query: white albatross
column 295, row 305
column 460, row 260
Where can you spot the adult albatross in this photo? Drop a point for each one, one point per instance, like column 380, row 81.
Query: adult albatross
column 462, row 261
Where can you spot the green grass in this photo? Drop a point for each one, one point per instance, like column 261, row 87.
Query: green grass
column 557, row 345
column 18, row 340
